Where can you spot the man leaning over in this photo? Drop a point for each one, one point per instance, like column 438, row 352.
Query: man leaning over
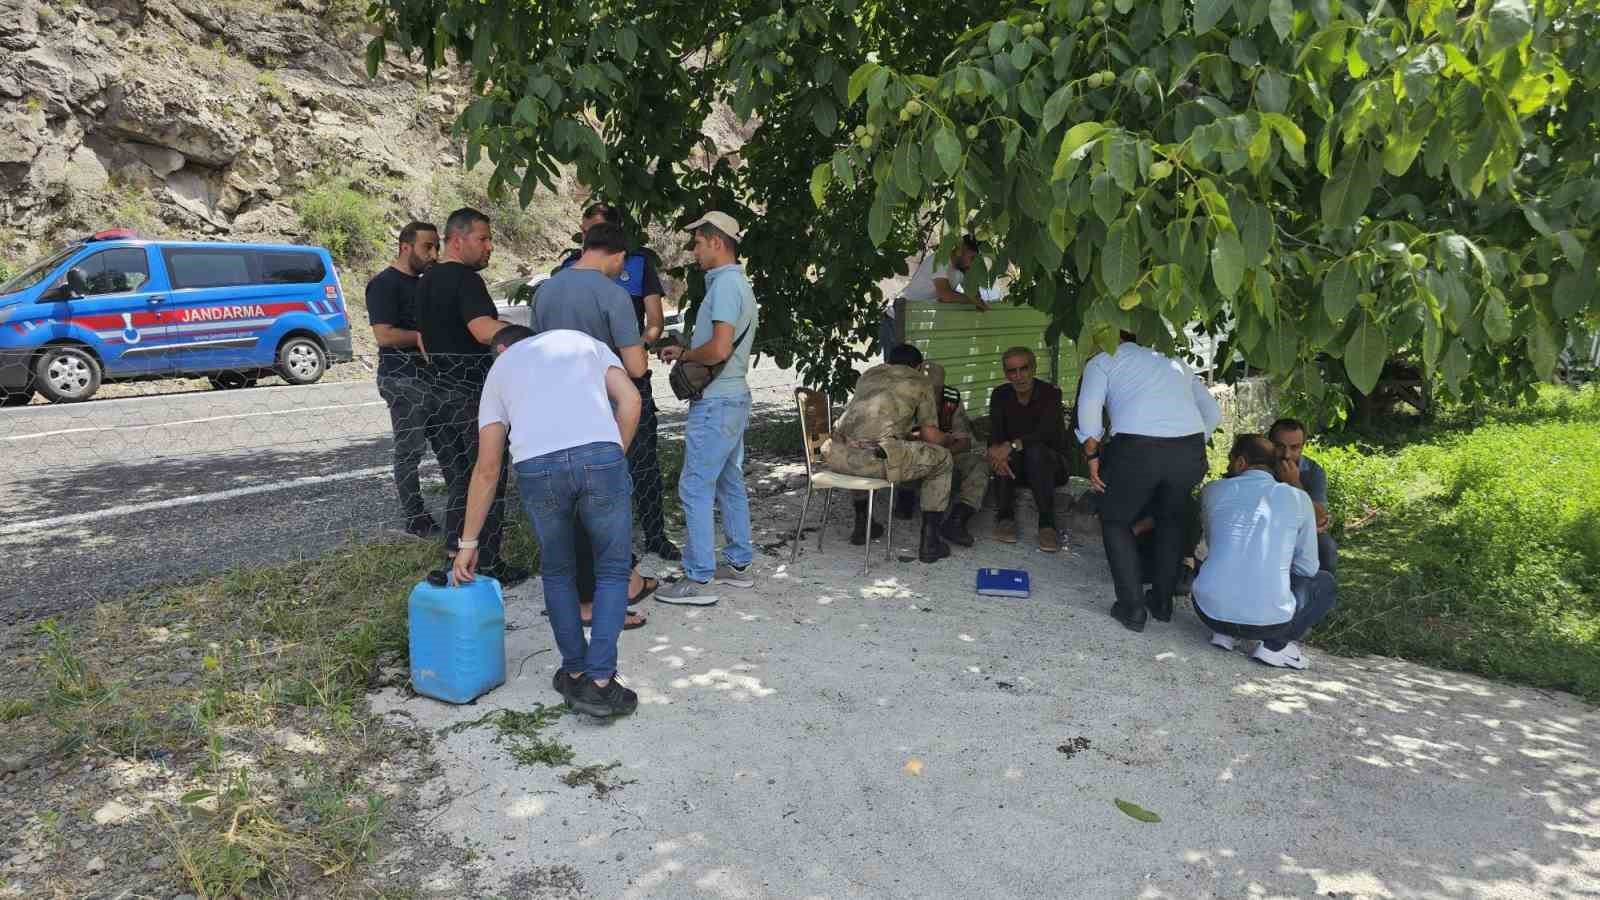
column 1260, row 580
column 891, row 430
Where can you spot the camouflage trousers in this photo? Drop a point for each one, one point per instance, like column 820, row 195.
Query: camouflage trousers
column 909, row 460
column 972, row 478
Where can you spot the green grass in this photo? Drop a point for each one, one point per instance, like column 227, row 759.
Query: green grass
column 351, row 222
column 1473, row 542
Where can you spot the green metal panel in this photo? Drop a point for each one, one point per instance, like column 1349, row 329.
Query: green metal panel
column 968, row 344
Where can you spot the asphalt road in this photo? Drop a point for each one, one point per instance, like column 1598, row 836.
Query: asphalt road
column 101, row 498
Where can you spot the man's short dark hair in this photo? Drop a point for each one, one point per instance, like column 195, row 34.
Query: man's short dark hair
column 905, row 355
column 462, row 220
column 1284, row 426
column 509, row 335
column 1255, row 450
column 606, row 236
column 970, row 242
column 711, row 231
column 408, row 234
column 1014, row 352
column 605, row 210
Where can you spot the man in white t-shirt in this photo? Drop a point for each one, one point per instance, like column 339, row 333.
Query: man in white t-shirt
column 930, row 284
column 569, row 410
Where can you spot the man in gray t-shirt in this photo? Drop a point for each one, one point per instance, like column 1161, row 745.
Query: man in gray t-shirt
column 1289, row 436
column 585, row 297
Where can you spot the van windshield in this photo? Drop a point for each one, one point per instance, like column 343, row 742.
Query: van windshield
column 37, row 272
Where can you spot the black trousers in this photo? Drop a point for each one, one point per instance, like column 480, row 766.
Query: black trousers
column 413, row 414
column 1040, row 469
column 458, row 451
column 1147, row 476
column 1192, row 530
column 645, row 466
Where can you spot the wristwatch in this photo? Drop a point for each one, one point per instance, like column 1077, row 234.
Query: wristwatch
column 1016, row 444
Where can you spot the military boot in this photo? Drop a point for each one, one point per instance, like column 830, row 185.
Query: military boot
column 905, row 504
column 858, row 534
column 954, row 529
column 933, row 548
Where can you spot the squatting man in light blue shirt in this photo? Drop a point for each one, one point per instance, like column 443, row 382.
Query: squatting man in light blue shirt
column 1261, row 580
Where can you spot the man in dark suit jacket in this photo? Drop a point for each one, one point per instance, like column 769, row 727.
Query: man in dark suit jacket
column 1027, row 445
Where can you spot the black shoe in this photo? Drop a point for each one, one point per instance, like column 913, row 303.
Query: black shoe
column 422, row 526
column 505, row 573
column 905, row 505
column 1132, row 620
column 1161, row 612
column 954, row 529
column 564, row 684
column 666, row 549
column 858, row 534
column 602, row 702
column 932, row 547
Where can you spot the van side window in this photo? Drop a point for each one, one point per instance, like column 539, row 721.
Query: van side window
column 290, row 267
column 118, row 271
column 193, row 267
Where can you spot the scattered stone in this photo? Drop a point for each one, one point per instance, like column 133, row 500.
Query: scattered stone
column 179, row 679
column 19, row 761
column 95, row 866
column 156, row 862
column 1074, row 746
column 113, row 813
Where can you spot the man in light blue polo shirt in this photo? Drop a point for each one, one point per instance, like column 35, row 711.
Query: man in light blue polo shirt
column 1261, row 580
column 713, row 435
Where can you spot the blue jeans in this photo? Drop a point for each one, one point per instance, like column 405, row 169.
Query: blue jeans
column 586, row 488
column 713, row 470
column 1314, row 598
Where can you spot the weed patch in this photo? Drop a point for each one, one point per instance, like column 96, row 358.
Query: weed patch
column 350, row 222
column 521, row 733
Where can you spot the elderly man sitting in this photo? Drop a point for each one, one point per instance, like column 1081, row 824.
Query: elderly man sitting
column 1261, row 580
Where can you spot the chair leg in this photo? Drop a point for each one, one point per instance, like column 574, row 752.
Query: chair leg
column 827, row 501
column 866, row 562
column 888, row 547
column 794, row 549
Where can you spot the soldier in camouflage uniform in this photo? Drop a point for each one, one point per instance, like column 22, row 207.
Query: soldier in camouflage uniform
column 875, row 438
column 971, row 467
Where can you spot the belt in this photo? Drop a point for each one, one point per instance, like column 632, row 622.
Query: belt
column 1151, row 441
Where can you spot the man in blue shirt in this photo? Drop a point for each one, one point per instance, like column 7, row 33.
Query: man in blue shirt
column 1289, row 436
column 713, row 436
column 1260, row 580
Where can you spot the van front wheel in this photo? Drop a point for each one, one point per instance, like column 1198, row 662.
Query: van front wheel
column 66, row 374
column 301, row 361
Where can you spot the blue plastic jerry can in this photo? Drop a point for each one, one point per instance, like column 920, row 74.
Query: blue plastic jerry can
column 458, row 638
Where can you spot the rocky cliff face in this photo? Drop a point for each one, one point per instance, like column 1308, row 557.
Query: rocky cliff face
column 201, row 117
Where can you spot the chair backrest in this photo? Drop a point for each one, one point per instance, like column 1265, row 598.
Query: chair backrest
column 816, row 419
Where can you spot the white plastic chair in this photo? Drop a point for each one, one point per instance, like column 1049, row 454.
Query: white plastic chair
column 816, row 419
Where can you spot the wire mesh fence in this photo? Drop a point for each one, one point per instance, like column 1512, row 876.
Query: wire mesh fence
column 118, row 494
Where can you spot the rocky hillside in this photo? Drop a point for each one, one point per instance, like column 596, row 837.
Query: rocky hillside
column 220, row 118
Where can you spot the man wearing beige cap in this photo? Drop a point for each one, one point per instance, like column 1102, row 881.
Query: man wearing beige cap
column 713, row 435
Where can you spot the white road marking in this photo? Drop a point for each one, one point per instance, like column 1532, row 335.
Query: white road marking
column 36, row 526
column 250, row 415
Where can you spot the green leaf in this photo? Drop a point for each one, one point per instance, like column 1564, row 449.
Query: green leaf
column 1207, row 13
column 1272, row 92
column 1281, row 14
column 1496, row 318
column 1454, row 366
column 1171, row 17
column 1340, row 287
column 376, row 50
column 1119, row 261
column 997, row 35
column 1227, row 262
column 1122, row 159
column 1077, row 137
column 1013, row 143
column 1283, row 346
column 1055, row 109
column 878, row 223
column 1365, row 354
column 1134, row 810
column 1573, row 292
column 1509, row 22
column 1544, row 348
column 1255, row 230
column 627, row 44
column 1345, row 196
column 859, row 79
column 1294, row 140
column 527, row 111
column 194, row 797
column 948, row 147
column 906, row 176
column 825, row 116
column 1107, row 199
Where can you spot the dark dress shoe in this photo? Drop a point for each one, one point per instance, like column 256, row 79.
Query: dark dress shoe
column 1133, row 620
column 1161, row 612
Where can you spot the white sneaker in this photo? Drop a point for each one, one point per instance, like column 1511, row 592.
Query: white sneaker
column 1219, row 639
column 686, row 592
column 1289, row 657
column 730, row 574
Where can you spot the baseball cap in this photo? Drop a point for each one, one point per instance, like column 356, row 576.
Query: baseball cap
column 721, row 221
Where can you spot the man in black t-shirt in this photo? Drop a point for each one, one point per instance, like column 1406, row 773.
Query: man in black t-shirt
column 392, row 311
column 458, row 322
